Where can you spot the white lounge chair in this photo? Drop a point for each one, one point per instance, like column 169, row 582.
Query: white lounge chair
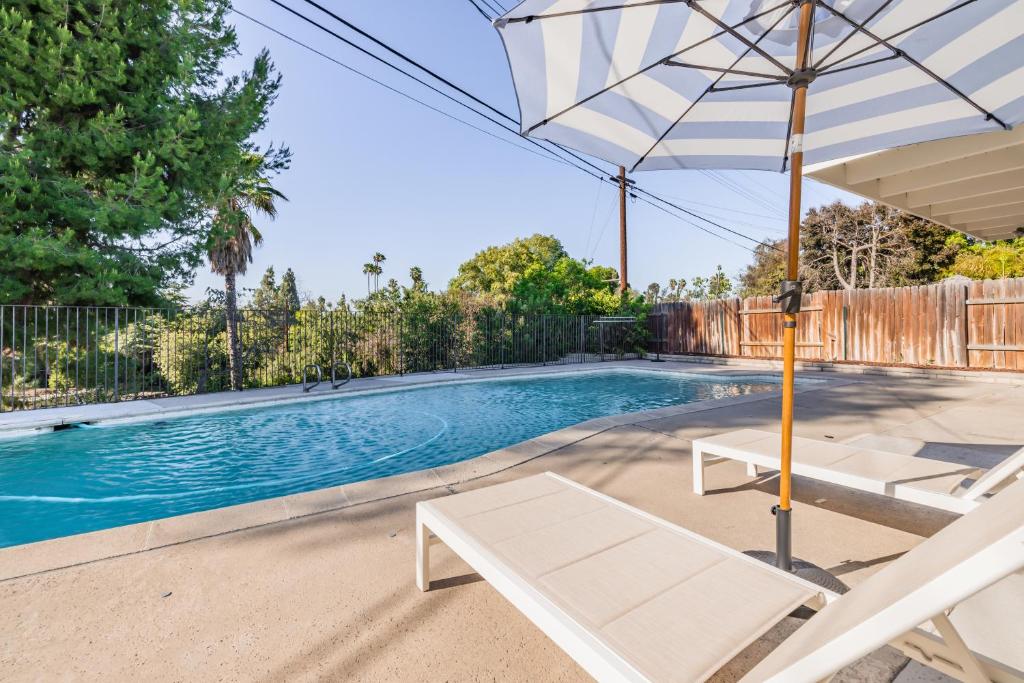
column 632, row 597
column 934, row 483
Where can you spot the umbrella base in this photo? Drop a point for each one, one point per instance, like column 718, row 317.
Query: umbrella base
column 805, row 570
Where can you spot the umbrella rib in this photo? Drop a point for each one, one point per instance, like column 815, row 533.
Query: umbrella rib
column 789, row 132
column 899, row 33
column 989, row 116
column 589, row 10
column 743, row 39
column 706, row 91
column 887, row 58
column 602, row 91
column 736, row 72
column 852, row 33
column 746, row 86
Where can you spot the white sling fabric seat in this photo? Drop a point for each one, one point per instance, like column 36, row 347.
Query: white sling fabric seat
column 623, row 592
column 934, row 483
column 632, row 597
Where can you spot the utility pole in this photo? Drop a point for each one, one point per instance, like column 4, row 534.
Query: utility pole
column 623, row 261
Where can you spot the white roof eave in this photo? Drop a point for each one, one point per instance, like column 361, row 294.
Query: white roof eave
column 973, row 184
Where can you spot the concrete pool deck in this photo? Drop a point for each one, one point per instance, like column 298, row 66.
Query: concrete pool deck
column 328, row 592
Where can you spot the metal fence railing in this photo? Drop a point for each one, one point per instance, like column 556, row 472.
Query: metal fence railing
column 71, row 355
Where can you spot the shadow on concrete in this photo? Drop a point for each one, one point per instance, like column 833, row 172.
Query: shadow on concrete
column 847, row 566
column 454, row 581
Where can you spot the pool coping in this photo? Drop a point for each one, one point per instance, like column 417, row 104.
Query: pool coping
column 26, row 423
column 30, row 559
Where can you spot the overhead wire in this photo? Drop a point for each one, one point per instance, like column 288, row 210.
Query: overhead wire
column 596, row 171
column 420, row 81
column 480, row 9
column 376, row 81
column 497, row 8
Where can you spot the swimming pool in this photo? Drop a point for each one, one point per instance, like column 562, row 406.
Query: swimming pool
column 89, row 478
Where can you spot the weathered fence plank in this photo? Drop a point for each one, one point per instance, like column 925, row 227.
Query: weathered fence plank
column 950, row 324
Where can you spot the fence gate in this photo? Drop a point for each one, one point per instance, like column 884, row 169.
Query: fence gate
column 761, row 328
column 995, row 324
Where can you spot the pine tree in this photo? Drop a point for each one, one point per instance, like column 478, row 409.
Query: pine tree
column 265, row 297
column 288, row 294
column 114, row 118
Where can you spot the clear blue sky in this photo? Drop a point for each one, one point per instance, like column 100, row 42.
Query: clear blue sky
column 373, row 171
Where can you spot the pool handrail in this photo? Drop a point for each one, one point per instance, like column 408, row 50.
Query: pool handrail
column 348, row 369
column 306, row 387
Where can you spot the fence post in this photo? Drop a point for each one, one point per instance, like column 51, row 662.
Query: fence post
column 846, row 317
column 967, row 327
column 721, row 327
column 117, row 353
column 544, row 339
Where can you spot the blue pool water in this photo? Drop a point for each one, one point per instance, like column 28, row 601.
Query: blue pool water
column 83, row 479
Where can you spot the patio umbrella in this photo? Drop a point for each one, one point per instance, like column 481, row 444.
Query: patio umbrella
column 763, row 84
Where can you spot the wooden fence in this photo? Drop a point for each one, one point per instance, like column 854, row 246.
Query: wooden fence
column 954, row 325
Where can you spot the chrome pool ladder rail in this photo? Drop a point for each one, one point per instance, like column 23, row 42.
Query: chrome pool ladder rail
column 348, row 369
column 306, row 387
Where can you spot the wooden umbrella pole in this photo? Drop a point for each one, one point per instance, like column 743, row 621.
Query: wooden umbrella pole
column 623, row 260
column 790, row 296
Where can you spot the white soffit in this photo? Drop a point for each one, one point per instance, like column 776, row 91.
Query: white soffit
column 974, row 184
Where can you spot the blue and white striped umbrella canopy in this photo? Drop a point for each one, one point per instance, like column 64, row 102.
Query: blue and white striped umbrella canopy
column 667, row 84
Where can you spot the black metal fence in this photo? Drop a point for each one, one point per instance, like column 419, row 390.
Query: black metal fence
column 72, row 355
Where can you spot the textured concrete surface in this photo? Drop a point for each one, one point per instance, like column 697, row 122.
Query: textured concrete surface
column 331, row 596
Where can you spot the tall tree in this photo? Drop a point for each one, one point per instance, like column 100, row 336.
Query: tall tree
column 848, row 248
column 933, row 251
column 378, row 269
column 719, row 284
column 495, row 271
column 536, row 275
column 265, row 296
column 234, row 236
column 114, row 116
column 416, row 277
column 652, row 294
column 368, row 269
column 762, row 277
column 987, row 260
column 288, row 294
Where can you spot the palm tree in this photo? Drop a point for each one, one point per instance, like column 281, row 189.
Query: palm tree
column 233, row 238
column 416, row 275
column 368, row 269
column 378, row 259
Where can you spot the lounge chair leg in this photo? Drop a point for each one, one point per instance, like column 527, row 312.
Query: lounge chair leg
column 972, row 670
column 422, row 556
column 751, row 469
column 698, row 471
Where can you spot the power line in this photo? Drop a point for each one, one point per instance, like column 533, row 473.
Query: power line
column 604, row 227
column 481, row 10
column 404, row 57
column 719, row 207
column 409, row 60
column 494, row 5
column 706, row 220
column 600, row 173
column 739, row 189
column 699, row 227
column 415, row 78
column 382, row 84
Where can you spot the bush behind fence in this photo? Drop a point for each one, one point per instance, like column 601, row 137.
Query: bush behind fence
column 72, row 355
